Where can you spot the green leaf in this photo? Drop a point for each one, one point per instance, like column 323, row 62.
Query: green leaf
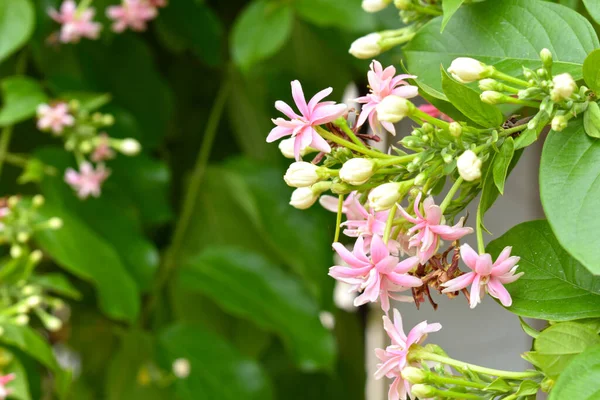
column 449, row 7
column 569, row 189
column 31, row 343
column 580, row 379
column 480, row 31
column 261, row 292
column 87, row 101
column 502, row 162
column 347, row 15
column 20, row 97
column 468, row 102
column 554, row 286
column 591, row 70
column 79, row 250
column 527, row 388
column 217, row 371
column 19, row 388
column 593, row 7
column 528, row 329
column 57, row 283
column 17, row 19
column 260, row 31
column 439, row 100
column 591, row 120
column 525, row 138
column 498, row 384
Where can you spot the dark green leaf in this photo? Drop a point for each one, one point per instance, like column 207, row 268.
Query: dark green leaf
column 449, row 7
column 502, row 162
column 87, row 101
column 591, row 120
column 347, row 15
column 439, row 100
column 570, row 188
column 30, row 342
column 260, row 31
column 591, row 70
column 580, row 379
column 17, row 19
column 554, row 286
column 480, row 31
column 57, row 283
column 261, row 292
column 217, row 371
column 468, row 102
column 20, row 97
column 593, row 7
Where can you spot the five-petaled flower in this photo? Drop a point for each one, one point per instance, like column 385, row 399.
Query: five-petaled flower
column 383, row 83
column 88, row 181
column 54, row 118
column 302, row 127
column 486, row 274
column 103, row 150
column 395, row 357
column 429, row 228
column 133, row 14
column 379, row 275
column 75, row 23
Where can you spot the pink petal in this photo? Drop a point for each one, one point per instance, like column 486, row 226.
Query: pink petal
column 286, row 109
column 459, row 283
column 484, row 264
column 348, row 257
column 406, row 265
column 505, row 266
column 503, row 255
column 395, row 330
column 408, row 91
column 469, row 256
column 388, row 126
column 407, row 216
column 327, row 113
column 330, row 203
column 319, row 143
column 451, row 233
column 419, row 332
column 510, row 277
column 318, row 97
column 387, row 265
column 341, row 272
column 405, row 280
column 497, row 290
column 277, row 133
column 475, row 292
column 379, row 250
column 299, row 98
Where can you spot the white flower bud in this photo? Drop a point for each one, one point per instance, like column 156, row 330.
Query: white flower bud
column 394, row 108
column 38, row 200
column 559, row 123
column 28, row 290
column 35, row 256
column 383, row 197
column 286, row 146
column 564, row 87
column 34, row 301
column 455, row 129
column 492, row 97
column 181, row 368
column 466, row 70
column 366, row 47
column 303, row 198
column 489, row 84
column 327, row 319
column 55, row 223
column 423, row 391
column 357, row 171
column 130, row 147
column 414, row 375
column 469, row 166
column 546, row 56
column 372, row 6
column 16, row 251
column 22, row 320
column 22, row 237
column 301, row 174
column 52, row 323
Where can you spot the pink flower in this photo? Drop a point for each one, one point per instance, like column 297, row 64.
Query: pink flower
column 76, row 24
column 383, row 83
column 131, row 13
column 103, row 151
column 429, row 228
column 4, row 391
column 378, row 275
column 350, row 207
column 301, row 127
column 434, row 112
column 54, row 118
column 486, row 275
column 87, row 181
column 394, row 357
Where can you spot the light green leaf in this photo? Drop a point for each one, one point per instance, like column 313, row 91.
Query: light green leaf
column 217, row 371
column 480, row 31
column 449, row 7
column 580, row 379
column 591, row 70
column 593, row 7
column 591, row 120
column 527, row 388
column 502, row 162
column 19, row 388
column 469, row 103
column 20, row 97
column 260, row 31
column 525, row 138
column 17, row 20
column 439, row 100
column 570, row 188
column 528, row 329
column 30, row 342
column 261, row 292
column 554, row 286
column 57, row 283
column 347, row 15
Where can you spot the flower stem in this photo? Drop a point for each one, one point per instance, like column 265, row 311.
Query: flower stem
column 449, row 394
column 451, row 194
column 338, row 220
column 389, row 223
column 510, row 131
column 4, row 143
column 20, row 161
column 479, row 232
column 428, row 118
column 433, row 378
column 512, row 100
column 343, row 125
column 425, row 10
column 352, row 146
column 507, row 78
column 395, row 160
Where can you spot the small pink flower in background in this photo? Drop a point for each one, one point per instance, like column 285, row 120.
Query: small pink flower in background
column 76, row 24
column 4, row 391
column 486, row 274
column 133, row 14
column 301, row 127
column 434, row 112
column 87, row 182
column 378, row 276
column 350, row 207
column 430, row 229
column 54, row 118
column 394, row 357
column 383, row 83
column 103, row 151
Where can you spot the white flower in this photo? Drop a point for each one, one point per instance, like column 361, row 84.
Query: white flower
column 366, row 47
column 181, row 368
column 384, row 196
column 469, row 166
column 564, row 87
column 559, row 123
column 357, row 171
column 394, row 108
column 130, row 147
column 466, row 70
column 301, row 174
column 372, row 6
column 286, row 146
column 491, row 97
column 303, row 198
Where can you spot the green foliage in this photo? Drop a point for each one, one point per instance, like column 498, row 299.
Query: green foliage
column 593, row 8
column 17, row 19
column 580, row 378
column 570, row 165
column 591, row 120
column 347, row 15
column 554, row 286
column 591, row 70
column 20, row 97
column 449, row 7
column 502, row 162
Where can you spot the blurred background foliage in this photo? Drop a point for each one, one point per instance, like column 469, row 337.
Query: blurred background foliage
column 242, row 294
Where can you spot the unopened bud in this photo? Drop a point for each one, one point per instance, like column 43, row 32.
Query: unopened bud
column 546, row 56
column 303, row 198
column 469, row 166
column 23, row 237
column 455, row 129
column 37, row 200
column 492, row 97
column 394, row 108
column 12, row 201
column 466, row 70
column 301, row 174
column 366, row 47
column 286, row 146
column 130, row 147
column 357, row 171
column 52, row 323
column 34, row 301
column 108, row 120
column 28, row 290
column 423, row 391
column 16, row 251
column 403, row 5
column 74, row 105
column 383, row 197
column 327, row 320
column 421, row 179
column 86, row 146
column 414, row 375
column 55, row 223
column 35, row 256
column 372, row 6
column 490, row 84
column 564, row 87
column 559, row 123
column 21, row 320
column 181, row 368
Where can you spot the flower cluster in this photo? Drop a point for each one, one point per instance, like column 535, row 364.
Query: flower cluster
column 77, row 20
column 83, row 135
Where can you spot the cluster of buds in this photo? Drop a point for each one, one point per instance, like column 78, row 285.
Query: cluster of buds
column 77, row 20
column 83, row 135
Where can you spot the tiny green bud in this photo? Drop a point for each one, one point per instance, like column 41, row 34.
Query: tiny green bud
column 55, row 223
column 16, row 251
column 427, row 127
column 38, row 200
column 546, row 56
column 12, row 201
column 541, row 72
column 28, row 290
column 423, row 391
column 74, row 105
column 492, row 97
column 490, row 84
column 559, row 123
column 455, row 129
column 97, row 117
column 421, row 179
column 35, row 256
column 403, row 5
column 22, row 320
column 414, row 375
column 86, row 146
column 23, row 237
column 108, row 120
